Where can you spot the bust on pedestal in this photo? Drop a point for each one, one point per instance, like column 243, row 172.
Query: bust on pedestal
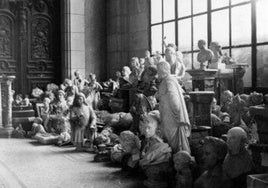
column 203, row 78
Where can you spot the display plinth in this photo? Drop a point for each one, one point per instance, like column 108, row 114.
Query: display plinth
column 203, row 79
column 201, row 107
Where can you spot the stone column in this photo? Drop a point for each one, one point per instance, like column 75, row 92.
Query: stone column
column 7, row 129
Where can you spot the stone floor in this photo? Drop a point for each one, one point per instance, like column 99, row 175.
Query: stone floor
column 25, row 163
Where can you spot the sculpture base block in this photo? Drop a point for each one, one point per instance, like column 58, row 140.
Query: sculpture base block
column 6, row 132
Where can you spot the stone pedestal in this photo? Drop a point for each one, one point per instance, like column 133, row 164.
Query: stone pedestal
column 6, row 91
column 239, row 72
column 201, row 107
column 260, row 150
column 203, row 80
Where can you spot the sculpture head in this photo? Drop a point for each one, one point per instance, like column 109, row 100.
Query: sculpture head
column 126, row 71
column 170, row 54
column 130, row 142
column 134, row 63
column 70, row 100
column 61, row 95
column 92, row 77
column 201, row 44
column 147, row 54
column 149, row 123
column 215, row 47
column 79, row 100
column 68, row 82
column 182, row 159
column 118, row 74
column 77, row 74
column 214, row 152
column 227, row 96
column 256, row 98
column 163, row 69
column 236, row 140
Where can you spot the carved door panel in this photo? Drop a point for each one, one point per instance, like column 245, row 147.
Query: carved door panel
column 30, row 42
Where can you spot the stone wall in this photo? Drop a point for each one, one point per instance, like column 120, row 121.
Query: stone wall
column 95, row 38
column 127, row 32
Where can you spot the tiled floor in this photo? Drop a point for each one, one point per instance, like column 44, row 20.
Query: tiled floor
column 25, row 163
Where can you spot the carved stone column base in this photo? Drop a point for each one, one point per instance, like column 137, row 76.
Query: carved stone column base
column 6, row 132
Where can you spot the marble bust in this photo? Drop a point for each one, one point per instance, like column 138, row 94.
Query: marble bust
column 214, row 150
column 205, row 55
column 238, row 163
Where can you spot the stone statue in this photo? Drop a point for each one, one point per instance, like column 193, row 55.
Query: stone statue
column 217, row 54
column 175, row 59
column 155, row 155
column 214, row 150
column 175, row 124
column 238, row 163
column 124, row 81
column 136, row 71
column 183, row 163
column 205, row 55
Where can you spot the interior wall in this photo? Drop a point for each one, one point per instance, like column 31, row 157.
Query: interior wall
column 95, row 38
column 127, row 32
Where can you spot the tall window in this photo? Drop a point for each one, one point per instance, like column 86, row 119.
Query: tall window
column 240, row 27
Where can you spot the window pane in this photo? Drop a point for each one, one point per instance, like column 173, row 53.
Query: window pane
column 156, row 11
column 262, row 66
column 169, row 9
column 184, row 29
column 241, row 25
column 187, row 60
column 187, row 82
column 219, row 3
column 262, row 20
column 243, row 55
column 220, row 27
column 199, row 6
column 238, row 1
column 200, row 29
column 184, row 8
column 157, row 38
column 169, row 32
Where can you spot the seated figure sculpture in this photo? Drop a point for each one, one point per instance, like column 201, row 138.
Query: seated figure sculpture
column 183, row 163
column 155, row 155
column 238, row 163
column 215, row 150
column 205, row 55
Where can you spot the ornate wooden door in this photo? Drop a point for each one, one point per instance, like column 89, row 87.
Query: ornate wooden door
column 30, row 42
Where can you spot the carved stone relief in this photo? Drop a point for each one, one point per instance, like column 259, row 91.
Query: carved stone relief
column 5, row 36
column 40, row 39
column 4, row 66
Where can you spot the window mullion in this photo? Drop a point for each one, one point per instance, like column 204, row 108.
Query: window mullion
column 254, row 46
